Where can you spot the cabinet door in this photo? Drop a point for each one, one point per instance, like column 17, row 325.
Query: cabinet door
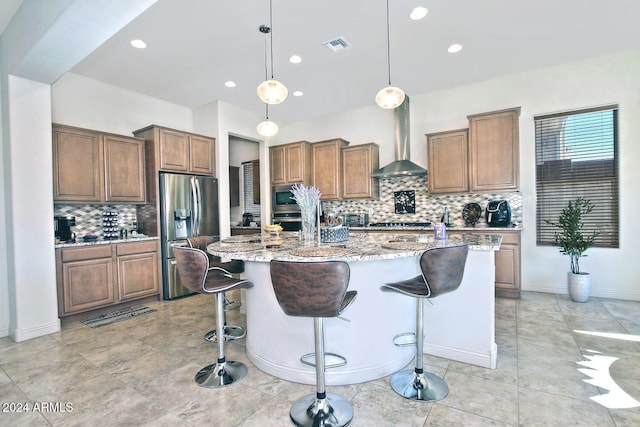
column 277, row 165
column 174, row 150
column 447, row 162
column 327, row 168
column 201, row 155
column 234, row 186
column 138, row 275
column 256, row 182
column 494, row 151
column 124, row 169
column 77, row 165
column 358, row 163
column 508, row 267
column 296, row 160
column 87, row 284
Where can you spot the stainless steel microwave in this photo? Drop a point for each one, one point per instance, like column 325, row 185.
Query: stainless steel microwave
column 282, row 199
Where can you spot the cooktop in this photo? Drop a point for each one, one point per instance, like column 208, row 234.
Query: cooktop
column 400, row 224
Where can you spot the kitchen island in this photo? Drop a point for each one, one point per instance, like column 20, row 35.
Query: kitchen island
column 458, row 326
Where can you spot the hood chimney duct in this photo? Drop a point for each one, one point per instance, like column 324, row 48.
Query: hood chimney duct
column 402, row 166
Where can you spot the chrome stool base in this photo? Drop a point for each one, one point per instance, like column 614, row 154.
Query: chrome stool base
column 332, row 411
column 220, row 375
column 231, row 332
column 424, row 387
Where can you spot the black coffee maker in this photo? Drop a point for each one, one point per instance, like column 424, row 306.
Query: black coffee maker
column 247, row 219
column 62, row 226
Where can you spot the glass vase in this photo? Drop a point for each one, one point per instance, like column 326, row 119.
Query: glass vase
column 308, row 227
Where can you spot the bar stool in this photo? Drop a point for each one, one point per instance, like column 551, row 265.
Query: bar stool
column 195, row 274
column 442, row 271
column 234, row 268
column 318, row 290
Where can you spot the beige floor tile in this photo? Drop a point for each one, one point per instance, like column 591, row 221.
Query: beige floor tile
column 444, row 416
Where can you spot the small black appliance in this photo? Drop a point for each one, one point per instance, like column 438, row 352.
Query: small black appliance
column 62, row 226
column 498, row 213
column 247, row 219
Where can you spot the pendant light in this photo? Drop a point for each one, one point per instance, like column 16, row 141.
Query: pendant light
column 271, row 91
column 389, row 97
column 266, row 128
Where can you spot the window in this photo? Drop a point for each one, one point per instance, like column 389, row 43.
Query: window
column 577, row 156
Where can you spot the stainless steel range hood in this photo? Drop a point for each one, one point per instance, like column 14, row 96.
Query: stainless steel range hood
column 402, row 166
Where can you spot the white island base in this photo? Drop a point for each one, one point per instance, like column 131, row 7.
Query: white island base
column 458, row 326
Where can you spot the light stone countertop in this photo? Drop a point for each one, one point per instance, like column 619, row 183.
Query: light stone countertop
column 359, row 247
column 101, row 241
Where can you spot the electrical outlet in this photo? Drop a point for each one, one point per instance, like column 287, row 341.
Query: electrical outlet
column 370, row 211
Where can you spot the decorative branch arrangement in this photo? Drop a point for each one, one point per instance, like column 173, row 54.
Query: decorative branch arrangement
column 306, row 197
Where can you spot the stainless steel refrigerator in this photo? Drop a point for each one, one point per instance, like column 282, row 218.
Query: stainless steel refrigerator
column 188, row 208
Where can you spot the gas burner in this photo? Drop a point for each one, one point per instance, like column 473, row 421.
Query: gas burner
column 400, row 224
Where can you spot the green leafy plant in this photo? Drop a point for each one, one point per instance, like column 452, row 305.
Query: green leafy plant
column 571, row 239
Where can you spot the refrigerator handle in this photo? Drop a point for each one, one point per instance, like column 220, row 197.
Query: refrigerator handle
column 194, row 206
column 197, row 205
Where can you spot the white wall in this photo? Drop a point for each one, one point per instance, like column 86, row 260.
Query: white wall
column 86, row 103
column 604, row 80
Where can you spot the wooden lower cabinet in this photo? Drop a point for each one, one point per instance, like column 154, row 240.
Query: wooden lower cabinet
column 102, row 275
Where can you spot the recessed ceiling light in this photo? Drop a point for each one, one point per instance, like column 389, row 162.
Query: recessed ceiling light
column 230, row 83
column 138, row 44
column 418, row 13
column 295, row 59
column 298, row 93
column 454, row 48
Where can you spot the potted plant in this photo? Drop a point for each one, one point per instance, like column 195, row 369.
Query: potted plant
column 573, row 241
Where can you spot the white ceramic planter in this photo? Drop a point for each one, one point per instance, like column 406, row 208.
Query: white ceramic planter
column 579, row 286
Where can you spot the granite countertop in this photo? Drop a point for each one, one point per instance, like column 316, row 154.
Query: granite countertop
column 359, row 247
column 477, row 228
column 102, row 241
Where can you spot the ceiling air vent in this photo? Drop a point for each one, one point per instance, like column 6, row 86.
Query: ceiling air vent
column 337, row 44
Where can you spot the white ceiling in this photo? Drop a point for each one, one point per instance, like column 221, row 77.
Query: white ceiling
column 194, row 46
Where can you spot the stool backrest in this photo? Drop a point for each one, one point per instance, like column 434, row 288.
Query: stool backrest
column 311, row 289
column 235, row 266
column 192, row 266
column 200, row 242
column 443, row 268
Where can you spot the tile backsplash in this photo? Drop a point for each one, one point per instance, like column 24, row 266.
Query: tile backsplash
column 428, row 207
column 89, row 217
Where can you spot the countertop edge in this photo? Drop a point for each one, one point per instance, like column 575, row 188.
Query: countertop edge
column 104, row 242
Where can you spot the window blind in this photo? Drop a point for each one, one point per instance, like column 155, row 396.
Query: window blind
column 577, row 156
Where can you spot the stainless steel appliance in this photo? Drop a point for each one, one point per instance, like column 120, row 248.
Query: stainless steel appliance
column 498, row 213
column 282, row 199
column 188, row 207
column 289, row 221
column 62, row 226
column 247, row 219
column 357, row 220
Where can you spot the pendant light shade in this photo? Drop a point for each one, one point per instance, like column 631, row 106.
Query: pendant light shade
column 389, row 97
column 267, row 128
column 272, row 92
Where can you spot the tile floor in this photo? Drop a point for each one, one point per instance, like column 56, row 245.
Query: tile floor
column 140, row 373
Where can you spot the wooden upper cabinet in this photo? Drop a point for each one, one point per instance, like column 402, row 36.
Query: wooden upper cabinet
column 174, row 150
column 327, row 167
column 90, row 166
column 124, row 169
column 494, row 151
column 358, row 163
column 201, row 155
column 290, row 163
column 447, row 162
column 77, row 165
column 185, row 152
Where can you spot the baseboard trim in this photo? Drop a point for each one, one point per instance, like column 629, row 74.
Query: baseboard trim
column 19, row 335
column 597, row 293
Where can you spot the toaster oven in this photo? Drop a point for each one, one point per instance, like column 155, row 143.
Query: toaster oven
column 356, row 220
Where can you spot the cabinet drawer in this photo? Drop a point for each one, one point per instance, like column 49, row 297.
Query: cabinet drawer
column 136, row 247
column 79, row 254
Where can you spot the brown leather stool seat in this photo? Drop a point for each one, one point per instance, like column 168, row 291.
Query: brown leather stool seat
column 195, row 274
column 318, row 290
column 442, row 271
column 234, row 268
